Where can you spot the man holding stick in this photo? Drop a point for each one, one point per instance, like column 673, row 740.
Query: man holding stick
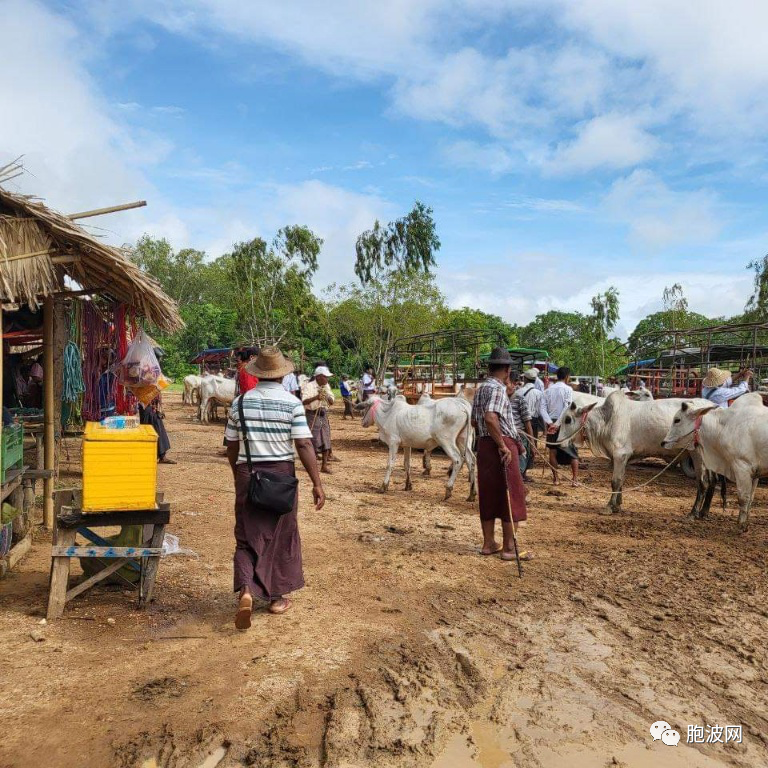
column 501, row 490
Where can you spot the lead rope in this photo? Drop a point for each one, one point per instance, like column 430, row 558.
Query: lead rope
column 633, row 489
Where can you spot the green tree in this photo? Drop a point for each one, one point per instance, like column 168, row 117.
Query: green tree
column 756, row 308
column 605, row 315
column 271, row 285
column 573, row 339
column 407, row 244
column 183, row 275
column 206, row 326
column 368, row 318
column 675, row 316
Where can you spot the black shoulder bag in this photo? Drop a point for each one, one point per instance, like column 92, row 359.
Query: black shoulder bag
column 267, row 491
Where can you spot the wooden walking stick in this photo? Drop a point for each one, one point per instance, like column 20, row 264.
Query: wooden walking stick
column 509, row 509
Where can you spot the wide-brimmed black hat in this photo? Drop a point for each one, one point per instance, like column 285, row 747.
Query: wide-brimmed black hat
column 500, row 356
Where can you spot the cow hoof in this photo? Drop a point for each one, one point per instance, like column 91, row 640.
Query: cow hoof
column 447, row 494
column 426, row 473
column 408, row 487
column 471, row 497
column 384, row 488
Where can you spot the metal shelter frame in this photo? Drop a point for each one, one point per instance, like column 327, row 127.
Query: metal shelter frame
column 436, row 363
column 677, row 371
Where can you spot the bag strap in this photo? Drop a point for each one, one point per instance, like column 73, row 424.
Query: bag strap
column 244, row 430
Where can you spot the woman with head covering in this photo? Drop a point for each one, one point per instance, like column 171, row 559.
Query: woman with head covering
column 718, row 386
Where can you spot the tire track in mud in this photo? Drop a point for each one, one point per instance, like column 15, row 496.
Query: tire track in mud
column 417, row 653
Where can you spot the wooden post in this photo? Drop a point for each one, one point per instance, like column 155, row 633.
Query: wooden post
column 2, row 349
column 60, row 340
column 48, row 416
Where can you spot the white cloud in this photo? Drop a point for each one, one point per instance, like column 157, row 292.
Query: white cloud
column 485, row 157
column 566, row 283
column 609, row 141
column 78, row 155
column 658, row 216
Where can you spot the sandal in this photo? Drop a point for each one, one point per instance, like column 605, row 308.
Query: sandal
column 575, row 484
column 486, row 554
column 280, row 605
column 244, row 610
column 524, row 555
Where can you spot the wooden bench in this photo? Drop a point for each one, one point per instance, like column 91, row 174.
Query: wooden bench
column 71, row 521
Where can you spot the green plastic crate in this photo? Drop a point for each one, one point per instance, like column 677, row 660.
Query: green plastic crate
column 12, row 449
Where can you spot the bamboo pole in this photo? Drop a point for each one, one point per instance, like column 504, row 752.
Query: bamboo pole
column 2, row 350
column 110, row 209
column 48, row 406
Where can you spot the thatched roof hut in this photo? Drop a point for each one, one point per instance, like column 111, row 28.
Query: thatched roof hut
column 43, row 252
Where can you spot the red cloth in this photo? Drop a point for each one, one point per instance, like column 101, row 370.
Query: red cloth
column 490, row 480
column 247, row 381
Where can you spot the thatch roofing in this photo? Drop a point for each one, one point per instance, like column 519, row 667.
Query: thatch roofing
column 40, row 248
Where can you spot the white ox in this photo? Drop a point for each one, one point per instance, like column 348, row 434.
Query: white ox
column 446, row 423
column 191, row 389
column 620, row 430
column 732, row 442
column 215, row 390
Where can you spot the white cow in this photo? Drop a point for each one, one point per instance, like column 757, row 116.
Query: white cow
column 446, row 423
column 191, row 389
column 215, row 390
column 620, row 430
column 732, row 442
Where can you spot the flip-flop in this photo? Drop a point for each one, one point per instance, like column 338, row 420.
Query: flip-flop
column 286, row 604
column 243, row 616
column 524, row 555
column 487, row 554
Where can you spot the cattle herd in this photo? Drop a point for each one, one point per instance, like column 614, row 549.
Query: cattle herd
column 722, row 443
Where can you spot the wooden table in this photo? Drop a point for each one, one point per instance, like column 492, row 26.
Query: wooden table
column 71, row 521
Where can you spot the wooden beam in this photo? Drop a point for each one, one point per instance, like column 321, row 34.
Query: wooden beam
column 105, row 552
column 19, row 550
column 31, row 255
column 49, row 404
column 65, row 259
column 110, row 209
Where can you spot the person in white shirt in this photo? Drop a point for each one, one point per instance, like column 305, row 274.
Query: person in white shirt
column 532, row 396
column 317, row 397
column 554, row 402
column 291, row 384
column 368, row 384
column 718, row 386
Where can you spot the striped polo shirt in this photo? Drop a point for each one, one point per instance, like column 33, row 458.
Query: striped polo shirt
column 274, row 418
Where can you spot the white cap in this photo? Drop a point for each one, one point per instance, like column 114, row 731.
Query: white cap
column 322, row 370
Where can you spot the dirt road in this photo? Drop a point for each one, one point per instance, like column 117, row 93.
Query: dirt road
column 405, row 648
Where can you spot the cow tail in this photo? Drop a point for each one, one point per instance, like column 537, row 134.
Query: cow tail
column 470, row 436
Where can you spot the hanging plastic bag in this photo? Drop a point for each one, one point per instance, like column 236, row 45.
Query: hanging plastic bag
column 139, row 367
column 139, row 371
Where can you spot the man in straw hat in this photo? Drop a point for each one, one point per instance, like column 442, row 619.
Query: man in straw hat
column 268, row 547
column 317, row 398
column 501, row 490
column 717, row 386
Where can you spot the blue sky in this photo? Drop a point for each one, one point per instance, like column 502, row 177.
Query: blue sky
column 565, row 145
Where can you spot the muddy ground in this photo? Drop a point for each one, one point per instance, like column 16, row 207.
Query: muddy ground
column 405, row 648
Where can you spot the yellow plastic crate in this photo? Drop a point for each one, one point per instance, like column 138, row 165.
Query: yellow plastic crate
column 119, row 468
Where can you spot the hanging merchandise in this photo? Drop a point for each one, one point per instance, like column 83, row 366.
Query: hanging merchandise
column 125, row 329
column 140, row 371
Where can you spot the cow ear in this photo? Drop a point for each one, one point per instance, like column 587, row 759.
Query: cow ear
column 698, row 412
column 588, row 408
column 684, row 407
column 574, row 407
